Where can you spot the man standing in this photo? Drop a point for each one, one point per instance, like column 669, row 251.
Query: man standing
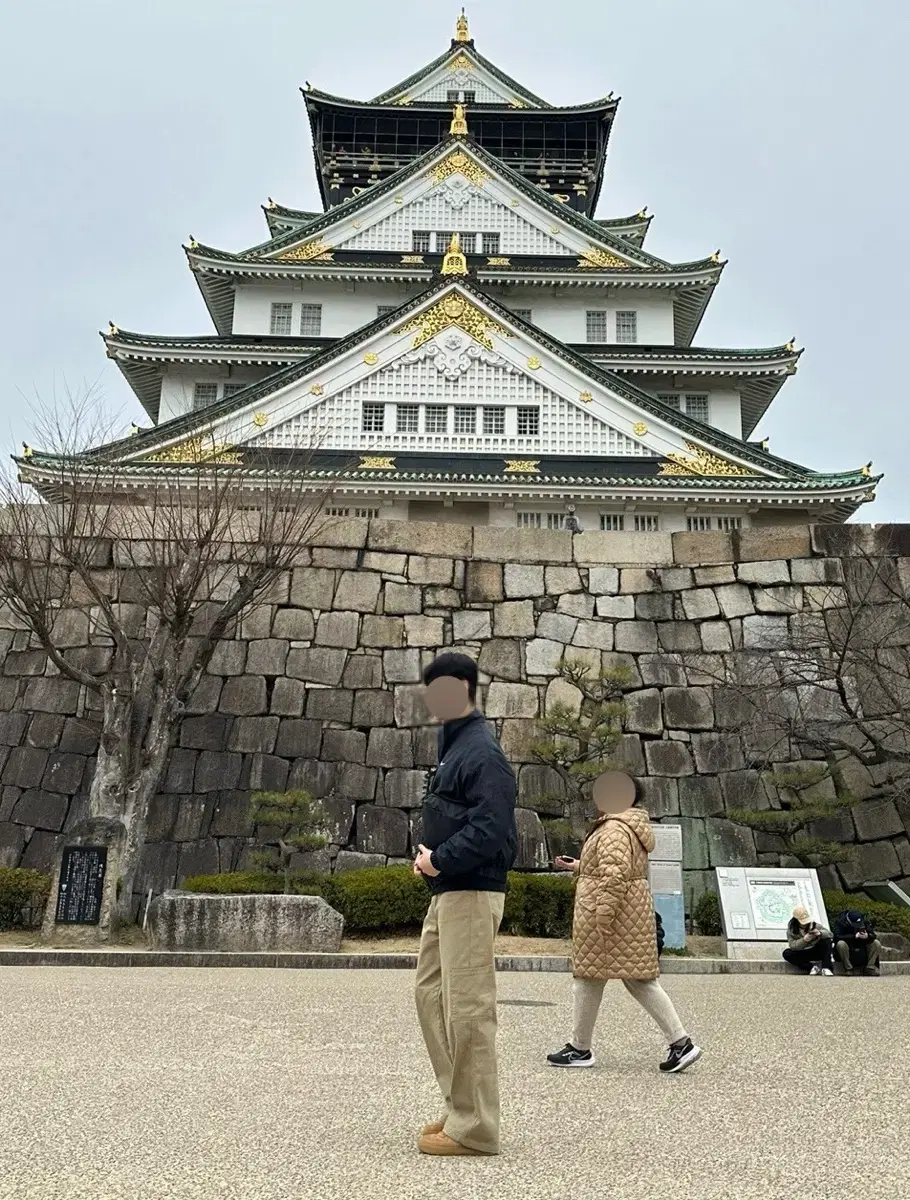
column 469, row 830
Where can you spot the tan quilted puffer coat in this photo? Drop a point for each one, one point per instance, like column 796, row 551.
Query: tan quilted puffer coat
column 613, row 934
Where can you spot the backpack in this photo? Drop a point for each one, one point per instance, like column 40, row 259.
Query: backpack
column 659, row 927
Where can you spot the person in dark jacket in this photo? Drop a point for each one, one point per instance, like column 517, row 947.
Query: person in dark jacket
column 470, row 844
column 810, row 946
column 857, row 946
column 659, row 928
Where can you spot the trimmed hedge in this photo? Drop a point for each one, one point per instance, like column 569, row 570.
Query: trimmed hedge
column 23, row 895
column 386, row 899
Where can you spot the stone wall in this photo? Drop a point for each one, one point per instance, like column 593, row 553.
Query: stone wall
column 319, row 688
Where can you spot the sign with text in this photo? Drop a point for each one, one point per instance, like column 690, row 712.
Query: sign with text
column 756, row 903
column 665, row 878
column 81, row 884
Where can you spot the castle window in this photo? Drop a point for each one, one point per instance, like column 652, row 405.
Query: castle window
column 494, row 421
column 231, row 388
column 465, row 419
column 489, row 243
column 728, row 524
column 407, row 418
column 627, row 326
column 280, row 324
column 647, row 523
column 612, row 522
column 468, row 242
column 698, row 524
column 204, row 394
column 436, row 419
column 420, row 241
column 529, row 520
column 373, row 418
column 697, row 407
column 596, row 325
column 529, row 422
column 310, row 320
column 443, row 238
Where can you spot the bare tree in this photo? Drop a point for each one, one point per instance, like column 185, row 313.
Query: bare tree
column 151, row 588
column 826, row 682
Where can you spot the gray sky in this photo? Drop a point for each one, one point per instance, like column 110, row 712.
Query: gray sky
column 773, row 129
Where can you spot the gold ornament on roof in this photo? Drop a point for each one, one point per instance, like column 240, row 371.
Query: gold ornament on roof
column 454, row 262
column 595, row 257
column 271, row 203
column 522, row 466
column 585, row 397
column 405, row 100
column 454, row 310
column 461, row 29
column 459, row 126
column 193, row 244
column 317, row 389
column 791, row 345
column 516, row 103
column 399, row 199
column 134, row 429
column 27, row 451
column 534, row 363
column 412, row 258
column 642, row 213
column 315, row 251
column 112, row 329
column 866, row 470
column 459, row 163
column 461, row 62
column 715, row 257
column 371, row 359
column 639, row 429
column 701, row 462
column 499, row 261
column 197, row 450
column 260, row 419
column 374, row 462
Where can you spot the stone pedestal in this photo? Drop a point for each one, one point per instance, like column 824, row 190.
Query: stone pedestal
column 193, row 921
column 96, row 831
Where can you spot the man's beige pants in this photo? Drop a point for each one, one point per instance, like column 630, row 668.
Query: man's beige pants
column 456, row 1005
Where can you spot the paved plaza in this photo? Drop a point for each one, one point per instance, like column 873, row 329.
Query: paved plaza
column 263, row 1084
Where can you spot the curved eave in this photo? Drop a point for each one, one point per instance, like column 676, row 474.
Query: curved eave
column 282, row 220
column 469, row 50
column 602, row 106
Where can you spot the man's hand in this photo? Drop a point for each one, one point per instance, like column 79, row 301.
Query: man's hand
column 862, row 934
column 423, row 864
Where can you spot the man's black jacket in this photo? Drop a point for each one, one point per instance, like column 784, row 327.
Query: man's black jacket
column 469, row 810
column 849, row 924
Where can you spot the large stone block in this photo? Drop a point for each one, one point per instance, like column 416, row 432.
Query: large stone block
column 363, row 671
column 872, row 861
column 316, row 776
column 373, row 708
column 653, row 549
column 216, row 771
column 13, row 839
column 514, row 618
column 205, row 697
column 637, row 637
column 709, row 576
column 679, row 637
column 63, row 773
column 877, row 819
column 194, row 816
column 512, row 700
column 688, row 708
column 405, row 788
column 643, row 712
column 382, row 831
column 654, row 606
column 52, row 695
column 401, row 599
column 764, row 573
column 628, row 754
column 38, row 855
column 597, row 635
column 330, row 704
column 41, row 810
column 356, row 782
column 779, row 599
column 603, row 581
column 659, row 797
column 695, row 844
column 269, row 773
column 410, row 707
column 312, row 587
column 344, row 745
column 244, row 924
column 338, row 629
column 636, row 580
column 298, row 738
column 422, row 537
column 623, row 665
column 424, row 631
column 817, row 570
column 244, row 695
column 516, row 739
column 668, row 758
column 576, row 606
column 541, row 788
column 483, row 582
column 382, row 632
column 181, row 768
column 390, row 748
column 441, row 597
column 471, row 625
column 523, row 581
column 557, row 627
column 228, row 658
column 542, row 657
column 317, row 664
column 14, row 724
column 45, row 730
column 716, row 637
column 783, row 541
column 25, row 662
column 499, row 544
column 560, row 580
column 532, row 842
column 438, row 571
column 25, row 767
column 295, row 624
column 205, row 733
column 616, row 608
column 401, row 666
column 267, row 657
column 500, row 658
column 729, row 845
column 716, row 752
column 564, row 694
column 700, row 796
column 350, row 860
column 700, row 604
column 358, row 591
column 766, row 633
column 744, row 789
column 699, row 549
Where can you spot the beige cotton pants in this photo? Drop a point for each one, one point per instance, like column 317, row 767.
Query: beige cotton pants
column 456, row 1006
column 588, row 993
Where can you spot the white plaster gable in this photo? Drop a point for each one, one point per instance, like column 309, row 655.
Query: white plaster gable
column 451, row 351
column 461, row 73
column 455, row 191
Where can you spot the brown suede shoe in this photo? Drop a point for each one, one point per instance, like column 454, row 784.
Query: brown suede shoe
column 433, row 1127
column 442, row 1145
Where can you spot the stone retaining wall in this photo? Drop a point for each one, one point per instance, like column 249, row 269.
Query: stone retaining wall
column 320, row 688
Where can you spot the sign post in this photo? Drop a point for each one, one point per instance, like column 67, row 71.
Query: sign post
column 665, row 879
column 756, row 904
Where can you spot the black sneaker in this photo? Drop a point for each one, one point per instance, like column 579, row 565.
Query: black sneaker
column 871, row 971
column 570, row 1057
column 682, row 1055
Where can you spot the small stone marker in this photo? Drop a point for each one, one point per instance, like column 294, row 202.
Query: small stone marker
column 81, row 886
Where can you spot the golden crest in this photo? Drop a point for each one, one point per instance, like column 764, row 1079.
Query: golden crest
column 459, row 163
column 412, row 258
column 594, row 257
column 357, row 224
column 534, row 363
column 371, row 359
column 639, row 429
column 454, row 310
column 316, row 251
column 317, row 389
column 461, row 62
column 399, row 199
column 585, row 397
column 522, row 466
column 374, row 462
column 701, row 462
column 197, row 450
column 260, row 419
column 498, row 262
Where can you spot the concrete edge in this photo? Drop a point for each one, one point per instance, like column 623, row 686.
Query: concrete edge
column 373, row 962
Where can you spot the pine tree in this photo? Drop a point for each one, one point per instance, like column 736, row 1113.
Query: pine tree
column 298, row 820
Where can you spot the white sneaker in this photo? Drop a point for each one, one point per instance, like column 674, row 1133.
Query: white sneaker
column 826, row 971
column 815, row 970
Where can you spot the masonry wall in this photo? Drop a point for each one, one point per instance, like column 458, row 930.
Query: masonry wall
column 319, row 688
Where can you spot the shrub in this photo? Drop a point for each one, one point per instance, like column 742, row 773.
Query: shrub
column 547, row 904
column 887, row 918
column 707, row 915
column 378, row 898
column 258, row 883
column 23, row 895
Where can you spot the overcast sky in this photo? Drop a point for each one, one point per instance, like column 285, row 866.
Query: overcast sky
column 773, row 129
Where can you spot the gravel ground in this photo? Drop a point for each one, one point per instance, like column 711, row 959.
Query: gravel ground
column 153, row 1084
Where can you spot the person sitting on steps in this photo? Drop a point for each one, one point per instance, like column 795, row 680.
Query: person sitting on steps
column 857, row 946
column 811, row 947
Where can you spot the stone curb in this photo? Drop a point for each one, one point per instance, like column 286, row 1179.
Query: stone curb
column 374, row 962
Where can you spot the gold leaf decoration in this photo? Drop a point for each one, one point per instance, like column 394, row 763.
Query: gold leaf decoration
column 534, row 362
column 522, row 466
column 461, row 62
column 514, row 203
column 594, row 257
column 459, row 163
column 316, row 251
column 404, row 100
column 399, row 199
column 375, row 462
column 701, row 462
column 412, row 258
column 639, row 429
column 317, row 389
column 197, row 450
column 357, row 224
column 454, row 310
column 585, row 397
column 516, row 103
column 260, row 419
column 371, row 359
column 498, row 261
column 554, row 229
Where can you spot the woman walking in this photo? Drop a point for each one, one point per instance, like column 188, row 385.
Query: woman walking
column 613, row 932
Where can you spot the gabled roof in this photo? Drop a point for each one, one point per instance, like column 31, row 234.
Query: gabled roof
column 280, row 218
column 713, row 440
column 470, row 52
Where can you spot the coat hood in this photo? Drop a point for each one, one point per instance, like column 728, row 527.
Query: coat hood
column 640, row 824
